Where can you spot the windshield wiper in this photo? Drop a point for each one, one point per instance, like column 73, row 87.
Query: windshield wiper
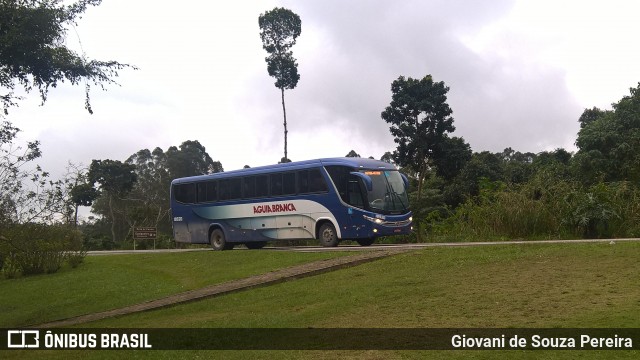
column 392, row 193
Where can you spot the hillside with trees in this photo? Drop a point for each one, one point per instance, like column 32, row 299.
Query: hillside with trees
column 459, row 195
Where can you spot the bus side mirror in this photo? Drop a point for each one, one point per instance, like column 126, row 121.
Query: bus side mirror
column 405, row 179
column 365, row 178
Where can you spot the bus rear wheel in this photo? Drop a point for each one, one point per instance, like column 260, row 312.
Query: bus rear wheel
column 255, row 244
column 218, row 241
column 327, row 235
column 366, row 242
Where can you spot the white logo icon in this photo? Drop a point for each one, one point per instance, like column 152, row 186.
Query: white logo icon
column 20, row 339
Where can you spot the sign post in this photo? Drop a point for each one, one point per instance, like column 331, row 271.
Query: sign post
column 144, row 233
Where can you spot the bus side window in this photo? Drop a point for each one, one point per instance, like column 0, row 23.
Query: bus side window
column 207, row 191
column 185, row 193
column 230, row 189
column 276, row 184
column 262, row 186
column 340, row 176
column 316, row 181
column 202, row 191
column 303, row 181
column 212, row 191
column 249, row 187
column 289, row 183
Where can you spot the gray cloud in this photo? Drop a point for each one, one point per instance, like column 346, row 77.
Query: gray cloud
column 497, row 102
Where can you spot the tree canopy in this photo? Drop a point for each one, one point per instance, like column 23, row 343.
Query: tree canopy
column 420, row 118
column 279, row 29
column 33, row 54
column 609, row 141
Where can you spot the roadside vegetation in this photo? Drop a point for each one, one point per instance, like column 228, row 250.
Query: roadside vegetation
column 463, row 196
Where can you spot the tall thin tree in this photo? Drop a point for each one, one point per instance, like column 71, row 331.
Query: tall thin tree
column 279, row 29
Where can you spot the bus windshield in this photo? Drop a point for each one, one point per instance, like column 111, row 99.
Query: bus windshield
column 388, row 193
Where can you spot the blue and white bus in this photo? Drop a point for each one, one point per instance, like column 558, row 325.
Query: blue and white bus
column 326, row 199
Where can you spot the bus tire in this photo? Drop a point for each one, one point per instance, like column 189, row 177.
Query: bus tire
column 255, row 244
column 218, row 241
column 366, row 242
column 327, row 235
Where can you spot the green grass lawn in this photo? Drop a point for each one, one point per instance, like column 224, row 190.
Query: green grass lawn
column 556, row 285
column 520, row 286
column 108, row 282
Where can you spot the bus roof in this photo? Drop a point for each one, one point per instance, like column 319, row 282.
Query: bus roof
column 360, row 163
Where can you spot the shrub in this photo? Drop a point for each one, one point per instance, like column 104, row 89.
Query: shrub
column 29, row 249
column 75, row 258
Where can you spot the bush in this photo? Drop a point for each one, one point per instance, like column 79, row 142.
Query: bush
column 75, row 258
column 542, row 208
column 29, row 249
column 604, row 210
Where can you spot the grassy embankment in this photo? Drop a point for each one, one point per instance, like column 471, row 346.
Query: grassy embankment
column 548, row 285
column 113, row 281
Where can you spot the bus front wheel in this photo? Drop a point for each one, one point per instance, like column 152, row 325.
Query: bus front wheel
column 327, row 235
column 218, row 241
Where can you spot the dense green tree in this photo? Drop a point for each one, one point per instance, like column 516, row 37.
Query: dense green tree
column 609, row 142
column 115, row 179
column 148, row 202
column 279, row 29
column 352, row 153
column 33, row 54
column 420, row 119
column 387, row 157
column 517, row 166
column 450, row 157
column 82, row 195
column 590, row 115
column 78, row 191
column 189, row 159
column 484, row 165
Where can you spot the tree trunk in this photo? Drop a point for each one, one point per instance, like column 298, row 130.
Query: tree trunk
column 113, row 219
column 284, row 112
column 417, row 223
column 421, row 176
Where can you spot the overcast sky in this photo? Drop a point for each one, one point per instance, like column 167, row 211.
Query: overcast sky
column 520, row 74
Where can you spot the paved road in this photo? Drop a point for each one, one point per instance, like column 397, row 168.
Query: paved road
column 373, row 247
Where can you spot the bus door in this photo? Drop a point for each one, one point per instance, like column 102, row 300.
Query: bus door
column 356, row 198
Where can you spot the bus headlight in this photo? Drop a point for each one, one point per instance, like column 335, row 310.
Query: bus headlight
column 410, row 218
column 374, row 220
